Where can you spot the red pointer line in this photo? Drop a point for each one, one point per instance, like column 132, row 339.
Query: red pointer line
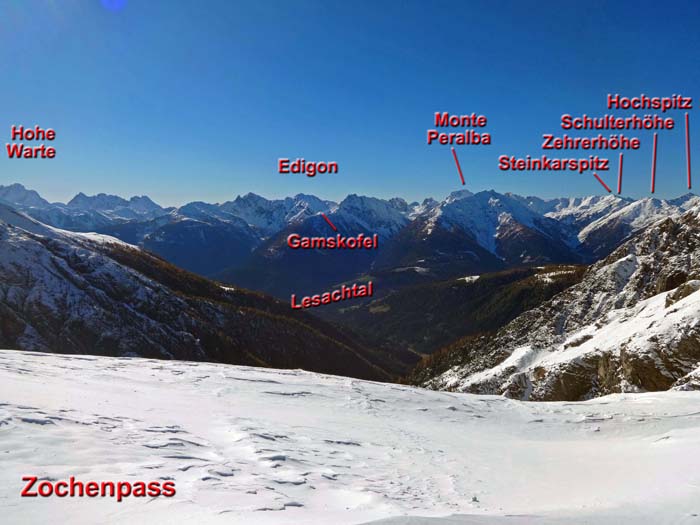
column 459, row 168
column 653, row 165
column 687, row 145
column 601, row 181
column 329, row 222
column 619, row 177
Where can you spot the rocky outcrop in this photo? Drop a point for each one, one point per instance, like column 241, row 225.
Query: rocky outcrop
column 630, row 325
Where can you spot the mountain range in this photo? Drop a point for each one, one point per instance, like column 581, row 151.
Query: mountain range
column 243, row 241
column 559, row 299
column 629, row 325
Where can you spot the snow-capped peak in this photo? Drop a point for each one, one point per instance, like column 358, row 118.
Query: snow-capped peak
column 16, row 194
column 457, row 195
column 99, row 202
column 372, row 214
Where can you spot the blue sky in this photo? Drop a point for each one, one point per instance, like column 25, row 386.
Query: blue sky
column 187, row 100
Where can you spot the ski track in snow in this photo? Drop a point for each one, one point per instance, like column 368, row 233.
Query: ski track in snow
column 251, row 445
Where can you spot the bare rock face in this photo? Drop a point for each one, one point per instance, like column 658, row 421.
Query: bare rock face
column 631, row 324
column 684, row 289
column 689, row 382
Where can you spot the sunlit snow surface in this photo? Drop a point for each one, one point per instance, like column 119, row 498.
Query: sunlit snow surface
column 248, row 445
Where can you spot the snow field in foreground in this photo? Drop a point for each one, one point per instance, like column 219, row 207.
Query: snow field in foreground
column 250, row 445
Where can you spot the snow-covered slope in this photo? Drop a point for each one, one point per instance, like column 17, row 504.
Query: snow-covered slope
column 657, row 340
column 581, row 211
column 601, row 236
column 17, row 219
column 261, row 446
column 630, row 324
column 635, row 215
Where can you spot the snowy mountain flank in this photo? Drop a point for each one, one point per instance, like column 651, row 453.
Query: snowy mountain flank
column 262, row 446
column 88, row 293
column 631, row 324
